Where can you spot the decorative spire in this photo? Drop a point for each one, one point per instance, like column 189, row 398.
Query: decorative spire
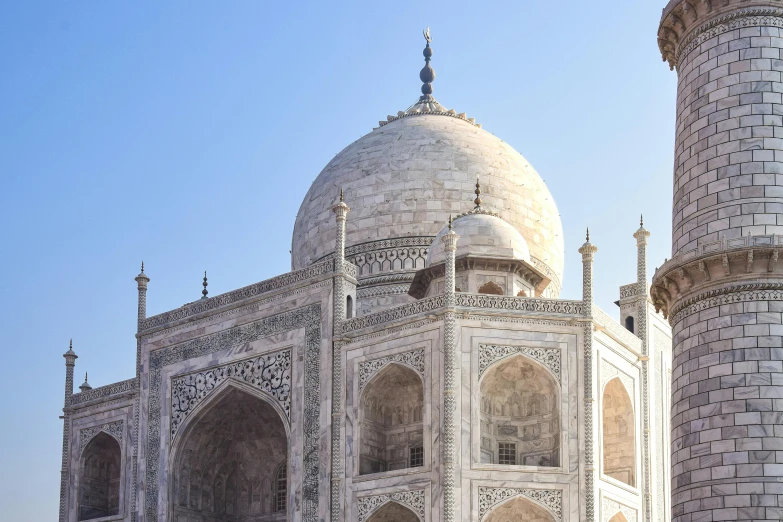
column 427, row 74
column 342, row 198
column 477, row 201
column 85, row 385
column 641, row 220
column 142, row 266
column 450, row 223
column 70, row 352
column 587, row 235
column 204, row 284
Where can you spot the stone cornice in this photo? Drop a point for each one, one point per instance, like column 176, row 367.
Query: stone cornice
column 713, row 265
column 687, row 23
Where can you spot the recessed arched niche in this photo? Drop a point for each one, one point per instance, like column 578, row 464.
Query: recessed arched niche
column 99, row 478
column 393, row 512
column 391, row 421
column 231, row 463
column 618, row 431
column 618, row 517
column 519, row 509
column 519, row 414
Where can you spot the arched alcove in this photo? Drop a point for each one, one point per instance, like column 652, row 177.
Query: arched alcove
column 348, row 307
column 629, row 324
column 230, row 460
column 619, row 445
column 393, row 512
column 519, row 509
column 392, row 429
column 491, row 288
column 519, row 414
column 99, row 478
column 618, row 517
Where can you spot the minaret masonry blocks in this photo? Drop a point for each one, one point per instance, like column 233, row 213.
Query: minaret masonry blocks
column 722, row 291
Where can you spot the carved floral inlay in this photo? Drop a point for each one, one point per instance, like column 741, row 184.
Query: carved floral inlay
column 551, row 499
column 368, row 369
column 490, row 353
column 115, row 429
column 411, row 499
column 270, row 373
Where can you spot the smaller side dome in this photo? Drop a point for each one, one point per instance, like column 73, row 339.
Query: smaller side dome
column 484, row 235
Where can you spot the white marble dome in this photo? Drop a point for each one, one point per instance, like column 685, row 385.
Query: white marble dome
column 405, row 178
column 482, row 235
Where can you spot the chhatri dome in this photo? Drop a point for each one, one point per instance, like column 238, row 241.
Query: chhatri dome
column 405, row 178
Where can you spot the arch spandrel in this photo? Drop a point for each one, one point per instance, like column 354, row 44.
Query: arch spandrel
column 545, row 504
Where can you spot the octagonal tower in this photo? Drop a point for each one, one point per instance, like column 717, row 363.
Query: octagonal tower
column 722, row 291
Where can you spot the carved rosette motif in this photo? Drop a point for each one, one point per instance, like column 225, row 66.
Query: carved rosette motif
column 550, row 499
column 412, row 499
column 609, row 372
column 309, row 318
column 270, row 373
column 115, row 429
column 490, row 353
column 610, row 508
column 414, row 359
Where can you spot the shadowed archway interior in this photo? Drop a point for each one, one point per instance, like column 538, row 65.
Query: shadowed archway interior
column 519, row 510
column 520, row 414
column 393, row 512
column 231, row 465
column 99, row 483
column 618, row 433
column 391, row 421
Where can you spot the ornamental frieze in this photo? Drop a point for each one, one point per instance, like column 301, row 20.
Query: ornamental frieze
column 550, row 499
column 270, row 373
column 413, row 359
column 490, row 353
column 115, row 429
column 412, row 499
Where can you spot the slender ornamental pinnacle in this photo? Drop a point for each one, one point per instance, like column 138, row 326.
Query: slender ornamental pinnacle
column 477, row 201
column 427, row 74
column 204, row 284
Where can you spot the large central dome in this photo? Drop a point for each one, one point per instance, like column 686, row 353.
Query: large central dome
column 405, row 178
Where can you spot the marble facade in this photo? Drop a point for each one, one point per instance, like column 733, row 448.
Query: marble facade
column 407, row 369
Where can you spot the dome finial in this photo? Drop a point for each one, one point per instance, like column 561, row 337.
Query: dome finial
column 450, row 220
column 204, row 284
column 477, row 201
column 587, row 235
column 142, row 267
column 427, row 74
column 641, row 220
column 342, row 198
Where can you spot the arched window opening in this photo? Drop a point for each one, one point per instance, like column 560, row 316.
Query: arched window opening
column 619, row 517
column 99, row 482
column 348, row 307
column 629, row 323
column 519, row 509
column 393, row 512
column 392, row 427
column 519, row 414
column 228, row 463
column 491, row 288
column 281, row 487
column 618, row 433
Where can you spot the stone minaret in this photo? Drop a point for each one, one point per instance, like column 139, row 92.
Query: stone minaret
column 70, row 363
column 450, row 385
column 722, row 289
column 142, row 280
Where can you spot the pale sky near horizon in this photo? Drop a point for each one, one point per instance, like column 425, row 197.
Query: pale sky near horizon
column 187, row 133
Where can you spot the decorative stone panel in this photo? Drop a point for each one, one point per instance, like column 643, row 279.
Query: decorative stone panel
column 610, row 508
column 411, row 499
column 309, row 318
column 548, row 357
column 115, row 429
column 609, row 372
column 413, row 359
column 550, row 499
column 270, row 373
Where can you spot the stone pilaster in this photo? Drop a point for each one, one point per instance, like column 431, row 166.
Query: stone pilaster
column 142, row 281
column 588, row 251
column 70, row 363
column 450, row 493
column 721, row 291
column 338, row 316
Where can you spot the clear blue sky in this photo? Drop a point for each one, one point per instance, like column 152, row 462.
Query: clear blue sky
column 186, row 134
